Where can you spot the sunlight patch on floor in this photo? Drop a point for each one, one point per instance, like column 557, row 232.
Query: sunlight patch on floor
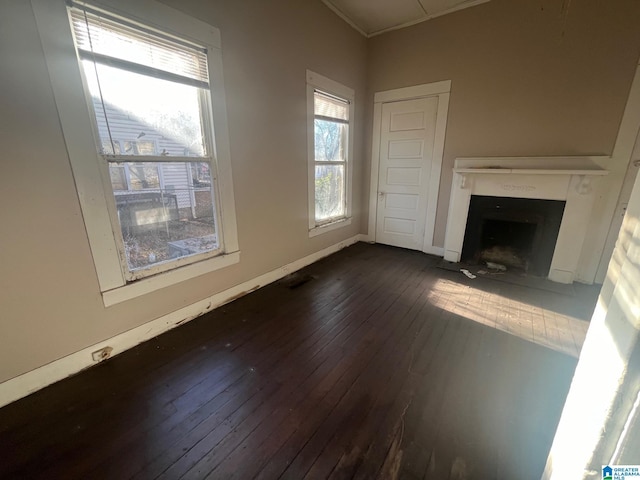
column 562, row 333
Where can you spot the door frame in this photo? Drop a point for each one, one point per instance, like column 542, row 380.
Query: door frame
column 617, row 164
column 441, row 90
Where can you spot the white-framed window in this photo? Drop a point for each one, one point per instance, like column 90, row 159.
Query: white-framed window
column 158, row 200
column 330, row 108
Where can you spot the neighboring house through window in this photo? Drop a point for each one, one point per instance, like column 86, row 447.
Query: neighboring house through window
column 129, row 176
column 330, row 141
column 153, row 97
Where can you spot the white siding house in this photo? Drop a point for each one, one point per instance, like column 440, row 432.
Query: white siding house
column 133, row 136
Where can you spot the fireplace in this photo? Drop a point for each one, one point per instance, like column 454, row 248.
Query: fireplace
column 518, row 233
column 518, row 226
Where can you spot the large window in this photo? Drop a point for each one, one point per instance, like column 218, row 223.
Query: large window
column 330, row 140
column 149, row 98
column 152, row 80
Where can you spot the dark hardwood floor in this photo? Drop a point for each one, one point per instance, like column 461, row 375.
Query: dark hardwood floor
column 371, row 363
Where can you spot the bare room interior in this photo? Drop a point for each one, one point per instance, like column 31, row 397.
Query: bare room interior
column 319, row 239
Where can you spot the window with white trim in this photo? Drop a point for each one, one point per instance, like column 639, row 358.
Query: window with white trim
column 153, row 84
column 144, row 84
column 330, row 151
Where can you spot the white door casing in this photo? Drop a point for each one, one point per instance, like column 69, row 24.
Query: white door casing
column 408, row 142
column 406, row 151
column 621, row 208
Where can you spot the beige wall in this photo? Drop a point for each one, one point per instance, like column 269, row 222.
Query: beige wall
column 527, row 80
column 49, row 295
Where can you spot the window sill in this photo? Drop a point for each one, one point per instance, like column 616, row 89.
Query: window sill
column 327, row 227
column 172, row 277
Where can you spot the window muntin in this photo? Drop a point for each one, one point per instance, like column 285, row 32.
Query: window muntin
column 331, row 146
column 150, row 99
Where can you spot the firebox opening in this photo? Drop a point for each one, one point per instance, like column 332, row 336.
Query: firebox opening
column 507, row 243
column 517, row 233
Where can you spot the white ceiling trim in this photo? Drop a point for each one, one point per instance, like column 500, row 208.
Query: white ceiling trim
column 470, row 3
column 335, row 10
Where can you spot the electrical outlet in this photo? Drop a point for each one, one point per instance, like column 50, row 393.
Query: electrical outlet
column 101, row 354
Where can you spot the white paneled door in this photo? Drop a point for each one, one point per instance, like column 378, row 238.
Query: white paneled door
column 406, row 152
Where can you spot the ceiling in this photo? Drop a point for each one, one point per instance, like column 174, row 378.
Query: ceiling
column 372, row 17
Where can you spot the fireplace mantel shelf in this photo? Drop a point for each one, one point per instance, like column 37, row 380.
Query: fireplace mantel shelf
column 530, row 171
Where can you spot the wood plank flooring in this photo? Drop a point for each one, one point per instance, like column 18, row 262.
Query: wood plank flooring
column 371, row 363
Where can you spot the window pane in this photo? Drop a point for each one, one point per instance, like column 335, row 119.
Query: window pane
column 109, row 148
column 137, row 106
column 201, row 174
column 143, row 176
column 140, row 148
column 330, row 141
column 329, row 191
column 118, row 177
column 173, row 221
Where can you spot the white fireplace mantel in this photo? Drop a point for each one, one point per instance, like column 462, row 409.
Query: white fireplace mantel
column 548, row 178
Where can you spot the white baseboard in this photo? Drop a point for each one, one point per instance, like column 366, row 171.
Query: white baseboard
column 32, row 381
column 366, row 238
column 431, row 250
column 437, row 251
